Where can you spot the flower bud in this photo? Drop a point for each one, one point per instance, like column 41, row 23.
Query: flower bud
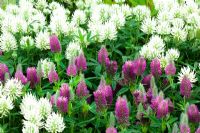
column 55, row 44
column 184, row 128
column 170, row 69
column 100, row 100
column 62, row 104
column 20, row 76
column 193, row 113
column 155, row 67
column 32, row 76
column 71, row 70
column 162, row 110
column 3, row 71
column 111, row 67
column 139, row 66
column 127, row 70
column 64, row 90
column 53, row 76
column 81, row 63
column 185, row 87
column 103, row 58
column 82, row 90
column 111, row 130
column 146, row 81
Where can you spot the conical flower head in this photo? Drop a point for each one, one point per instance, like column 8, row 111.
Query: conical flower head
column 111, row 67
column 122, row 111
column 71, row 70
column 127, row 70
column 170, row 69
column 185, row 87
column 3, row 71
column 55, row 44
column 109, row 94
column 32, row 76
column 193, row 113
column 62, row 104
column 146, row 81
column 155, row 102
column 20, row 76
column 162, row 110
column 81, row 63
column 103, row 56
column 53, row 76
column 111, row 130
column 82, row 90
column 64, row 90
column 155, row 67
column 139, row 66
column 100, row 99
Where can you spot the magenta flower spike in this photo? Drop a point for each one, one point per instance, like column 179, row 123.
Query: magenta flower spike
column 139, row 66
column 71, row 70
column 146, row 80
column 127, row 70
column 111, row 68
column 62, row 104
column 193, row 113
column 155, row 68
column 155, row 102
column 64, row 90
column 52, row 99
column 81, row 63
column 185, row 87
column 55, row 44
column 32, row 76
column 103, row 58
column 111, row 130
column 198, row 130
column 122, row 111
column 20, row 76
column 3, row 71
column 162, row 110
column 53, row 76
column 82, row 90
column 100, row 100
column 170, row 69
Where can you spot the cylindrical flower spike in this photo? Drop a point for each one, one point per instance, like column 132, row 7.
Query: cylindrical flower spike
column 162, row 110
column 52, row 99
column 155, row 67
column 127, row 70
column 170, row 69
column 146, row 80
column 81, row 63
column 71, row 70
column 62, row 104
column 55, row 44
column 109, row 94
column 3, row 71
column 139, row 66
column 122, row 111
column 193, row 113
column 184, row 128
column 100, row 99
column 103, row 56
column 32, row 76
column 111, row 130
column 53, row 76
column 82, row 90
column 111, row 68
column 64, row 90
column 185, row 87
column 20, row 76
column 155, row 102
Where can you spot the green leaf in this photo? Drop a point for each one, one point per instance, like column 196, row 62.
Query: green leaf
column 122, row 91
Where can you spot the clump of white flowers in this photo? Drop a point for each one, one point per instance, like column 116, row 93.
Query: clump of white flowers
column 30, row 128
column 8, row 42
column 79, row 17
column 26, row 42
column 141, row 12
column 5, row 106
column 55, row 123
column 187, row 72
column 44, row 107
column 180, row 20
column 73, row 49
column 12, row 89
column 46, row 67
column 42, row 41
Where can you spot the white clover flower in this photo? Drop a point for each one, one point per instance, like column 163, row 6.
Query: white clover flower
column 61, row 12
column 141, row 12
column 168, row 4
column 44, row 107
column 178, row 23
column 165, row 16
column 163, row 28
column 26, row 8
column 95, row 29
column 29, row 102
column 193, row 19
column 13, row 9
column 26, row 41
column 179, row 34
column 41, row 4
column 148, row 26
column 79, row 17
column 172, row 54
column 187, row 72
column 71, row 28
column 55, row 123
column 37, row 21
column 34, row 117
column 108, row 31
column 126, row 10
column 54, row 5
column 163, row 61
column 8, row 42
column 73, row 49
column 21, row 25
column 8, row 24
column 13, row 89
column 58, row 25
column 5, row 106
column 119, row 1
column 118, row 19
column 46, row 66
column 42, row 41
column 157, row 43
column 29, row 127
